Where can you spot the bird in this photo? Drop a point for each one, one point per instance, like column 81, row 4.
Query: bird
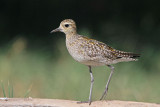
column 91, row 52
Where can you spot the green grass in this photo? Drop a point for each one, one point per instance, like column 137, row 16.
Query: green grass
column 28, row 92
column 61, row 77
column 3, row 90
column 10, row 90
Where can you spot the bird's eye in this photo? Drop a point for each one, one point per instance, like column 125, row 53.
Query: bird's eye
column 66, row 25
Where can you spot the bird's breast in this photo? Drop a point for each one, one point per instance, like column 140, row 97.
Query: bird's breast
column 76, row 50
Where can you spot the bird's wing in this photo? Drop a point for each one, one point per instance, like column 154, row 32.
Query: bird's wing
column 97, row 50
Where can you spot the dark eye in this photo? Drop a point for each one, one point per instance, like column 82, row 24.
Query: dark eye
column 66, row 25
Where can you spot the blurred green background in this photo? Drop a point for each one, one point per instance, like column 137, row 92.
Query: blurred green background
column 32, row 58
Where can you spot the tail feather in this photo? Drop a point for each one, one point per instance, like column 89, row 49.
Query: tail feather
column 122, row 54
column 134, row 55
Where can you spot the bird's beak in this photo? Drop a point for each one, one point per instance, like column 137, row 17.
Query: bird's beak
column 56, row 30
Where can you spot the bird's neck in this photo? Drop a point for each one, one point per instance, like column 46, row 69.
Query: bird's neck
column 71, row 35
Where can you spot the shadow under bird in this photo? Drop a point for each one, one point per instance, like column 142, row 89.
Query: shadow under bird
column 91, row 52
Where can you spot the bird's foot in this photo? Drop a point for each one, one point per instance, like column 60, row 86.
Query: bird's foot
column 80, row 102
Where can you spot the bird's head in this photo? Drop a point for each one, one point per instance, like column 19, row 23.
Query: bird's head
column 68, row 26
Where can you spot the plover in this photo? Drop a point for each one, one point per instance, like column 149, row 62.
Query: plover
column 91, row 52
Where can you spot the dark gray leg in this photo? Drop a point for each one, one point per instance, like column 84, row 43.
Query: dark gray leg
column 91, row 87
column 106, row 89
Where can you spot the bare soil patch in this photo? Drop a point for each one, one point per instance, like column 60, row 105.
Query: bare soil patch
column 32, row 102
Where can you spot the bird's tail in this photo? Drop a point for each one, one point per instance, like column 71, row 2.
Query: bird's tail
column 122, row 54
column 133, row 55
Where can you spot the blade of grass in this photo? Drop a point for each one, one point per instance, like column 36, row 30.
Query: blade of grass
column 12, row 91
column 28, row 91
column 9, row 91
column 4, row 94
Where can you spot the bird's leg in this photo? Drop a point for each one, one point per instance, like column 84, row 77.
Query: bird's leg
column 91, row 87
column 106, row 88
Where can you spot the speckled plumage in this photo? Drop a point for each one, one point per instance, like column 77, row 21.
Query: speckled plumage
column 89, row 51
column 92, row 52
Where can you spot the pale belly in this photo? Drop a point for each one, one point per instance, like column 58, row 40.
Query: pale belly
column 82, row 58
column 92, row 63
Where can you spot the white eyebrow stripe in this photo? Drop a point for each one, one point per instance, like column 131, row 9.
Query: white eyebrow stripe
column 67, row 23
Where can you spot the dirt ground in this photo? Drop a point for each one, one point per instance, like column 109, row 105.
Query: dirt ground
column 32, row 102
